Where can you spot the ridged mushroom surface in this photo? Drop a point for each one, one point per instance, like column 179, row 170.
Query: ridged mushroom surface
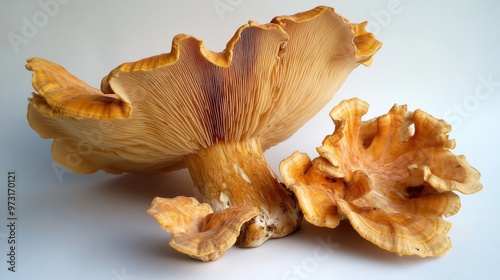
column 392, row 177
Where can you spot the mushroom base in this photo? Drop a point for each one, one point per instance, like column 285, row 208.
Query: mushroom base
column 237, row 174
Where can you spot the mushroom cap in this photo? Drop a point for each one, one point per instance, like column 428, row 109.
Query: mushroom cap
column 393, row 183
column 196, row 230
column 149, row 114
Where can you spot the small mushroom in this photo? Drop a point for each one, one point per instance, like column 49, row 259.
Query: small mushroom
column 214, row 113
column 196, row 230
column 392, row 182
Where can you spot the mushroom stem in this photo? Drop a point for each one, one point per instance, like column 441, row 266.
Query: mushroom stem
column 236, row 174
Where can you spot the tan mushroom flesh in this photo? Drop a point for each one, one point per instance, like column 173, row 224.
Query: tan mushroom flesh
column 196, row 230
column 214, row 113
column 391, row 181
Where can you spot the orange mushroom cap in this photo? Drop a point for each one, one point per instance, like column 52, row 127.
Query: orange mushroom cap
column 196, row 230
column 150, row 114
column 391, row 182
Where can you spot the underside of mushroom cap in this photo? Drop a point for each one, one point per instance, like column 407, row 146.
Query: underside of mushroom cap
column 151, row 113
column 196, row 230
column 392, row 182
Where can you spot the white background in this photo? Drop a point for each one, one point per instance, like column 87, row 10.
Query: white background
column 434, row 57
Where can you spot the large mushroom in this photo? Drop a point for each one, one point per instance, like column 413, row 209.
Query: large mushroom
column 214, row 113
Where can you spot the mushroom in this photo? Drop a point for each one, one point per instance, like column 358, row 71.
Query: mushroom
column 196, row 230
column 214, row 113
column 392, row 183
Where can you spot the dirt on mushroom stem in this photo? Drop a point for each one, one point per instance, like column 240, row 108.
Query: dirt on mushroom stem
column 236, row 173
